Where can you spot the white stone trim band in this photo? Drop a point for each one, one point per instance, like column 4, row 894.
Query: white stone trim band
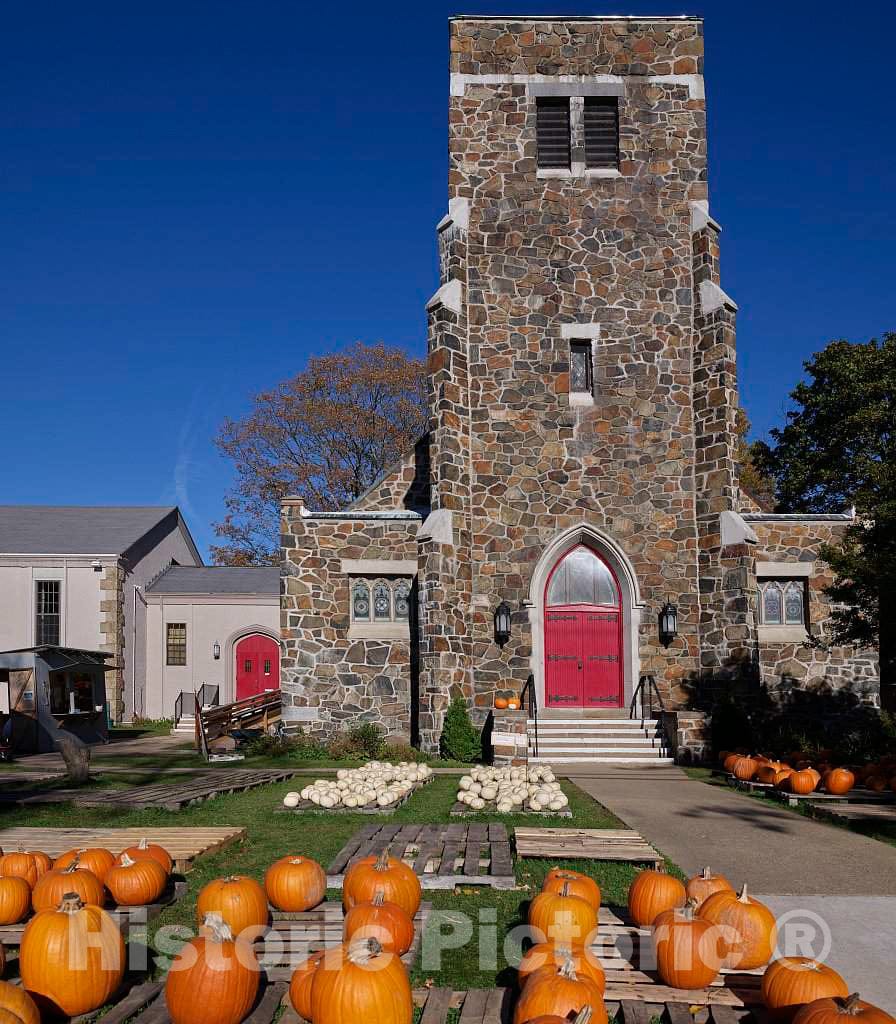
column 449, row 295
column 379, row 566
column 460, row 81
column 574, row 332
column 790, row 570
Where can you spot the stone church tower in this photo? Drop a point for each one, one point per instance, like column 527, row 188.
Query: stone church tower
column 580, row 465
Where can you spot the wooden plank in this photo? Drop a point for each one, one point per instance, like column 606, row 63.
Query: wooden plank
column 136, row 999
column 474, row 1005
column 437, row 1005
column 338, row 865
column 633, row 1011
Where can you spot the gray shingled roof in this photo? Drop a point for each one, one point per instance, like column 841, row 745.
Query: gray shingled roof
column 75, row 529
column 217, row 579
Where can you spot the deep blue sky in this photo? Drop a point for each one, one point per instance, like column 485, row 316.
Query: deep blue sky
column 196, row 196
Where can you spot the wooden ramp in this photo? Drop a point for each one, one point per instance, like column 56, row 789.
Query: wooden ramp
column 184, row 844
column 444, row 856
column 585, row 843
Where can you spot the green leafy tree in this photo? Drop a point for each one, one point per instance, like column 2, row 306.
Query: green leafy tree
column 838, row 450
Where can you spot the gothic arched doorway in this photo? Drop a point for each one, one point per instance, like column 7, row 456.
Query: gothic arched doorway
column 583, row 665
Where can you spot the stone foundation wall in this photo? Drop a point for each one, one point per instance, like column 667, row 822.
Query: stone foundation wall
column 785, row 665
column 331, row 678
column 688, row 736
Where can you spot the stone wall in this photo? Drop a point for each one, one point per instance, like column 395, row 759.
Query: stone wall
column 688, row 736
column 507, row 737
column 405, row 485
column 784, row 665
column 330, row 678
column 112, row 632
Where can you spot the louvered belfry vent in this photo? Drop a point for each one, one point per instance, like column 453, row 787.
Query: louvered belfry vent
column 601, row 131
column 552, row 131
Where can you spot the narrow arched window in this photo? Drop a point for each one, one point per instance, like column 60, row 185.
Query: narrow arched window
column 361, row 601
column 382, row 601
column 402, row 599
column 772, row 606
column 794, row 614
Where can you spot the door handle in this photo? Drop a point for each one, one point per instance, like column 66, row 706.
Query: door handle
column 580, row 664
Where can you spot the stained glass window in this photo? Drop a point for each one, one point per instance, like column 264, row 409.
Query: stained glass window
column 782, row 602
column 402, row 595
column 582, row 578
column 361, row 601
column 389, row 599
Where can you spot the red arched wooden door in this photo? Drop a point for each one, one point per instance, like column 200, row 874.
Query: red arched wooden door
column 257, row 665
column 582, row 633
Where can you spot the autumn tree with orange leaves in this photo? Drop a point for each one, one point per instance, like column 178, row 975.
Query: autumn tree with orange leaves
column 326, row 435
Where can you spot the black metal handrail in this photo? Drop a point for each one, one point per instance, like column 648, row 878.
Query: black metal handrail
column 646, row 685
column 179, row 705
column 529, row 701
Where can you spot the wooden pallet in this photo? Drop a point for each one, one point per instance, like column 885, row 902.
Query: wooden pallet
column 444, row 856
column 857, row 795
column 182, row 794
column 495, row 1006
column 293, row 937
column 184, row 843
column 476, row 1006
column 856, row 814
column 460, row 810
column 307, row 807
column 586, row 843
column 626, row 954
column 127, row 918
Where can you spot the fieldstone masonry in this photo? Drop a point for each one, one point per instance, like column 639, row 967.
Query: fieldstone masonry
column 643, row 470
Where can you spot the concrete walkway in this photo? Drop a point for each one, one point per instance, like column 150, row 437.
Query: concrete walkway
column 835, row 888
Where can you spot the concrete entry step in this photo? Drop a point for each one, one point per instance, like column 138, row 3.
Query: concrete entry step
column 613, row 724
column 586, row 759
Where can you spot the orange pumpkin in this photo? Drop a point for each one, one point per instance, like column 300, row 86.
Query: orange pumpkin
column 563, row 918
column 361, row 982
column 240, row 901
column 14, row 999
column 500, row 703
column 651, row 893
column 687, row 949
column 702, row 886
column 295, row 883
column 549, row 992
column 136, row 883
column 876, row 783
column 730, row 761
column 300, row 984
column 767, row 775
column 803, row 782
column 551, row 954
column 578, row 884
column 748, row 928
column 49, row 891
column 72, row 958
column 214, row 979
column 513, row 704
column 745, row 768
column 839, row 781
column 145, row 849
column 15, row 899
column 399, row 883
column 837, row 1010
column 19, row 865
column 93, row 859
column 43, row 861
column 793, row 981
column 386, row 922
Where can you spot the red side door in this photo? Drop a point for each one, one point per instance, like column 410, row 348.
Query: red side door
column 563, row 658
column 601, row 661
column 257, row 665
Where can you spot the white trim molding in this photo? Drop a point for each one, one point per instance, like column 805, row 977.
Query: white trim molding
column 450, row 295
column 577, row 85
column 379, row 566
column 785, row 570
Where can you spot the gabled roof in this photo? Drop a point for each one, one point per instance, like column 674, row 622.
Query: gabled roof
column 217, row 579
column 77, row 529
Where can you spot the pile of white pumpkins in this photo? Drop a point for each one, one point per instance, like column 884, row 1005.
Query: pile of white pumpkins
column 531, row 789
column 375, row 784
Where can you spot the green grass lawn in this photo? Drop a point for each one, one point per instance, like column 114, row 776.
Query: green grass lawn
column 321, row 836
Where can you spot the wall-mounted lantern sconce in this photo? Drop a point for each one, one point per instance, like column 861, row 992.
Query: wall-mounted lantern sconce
column 668, row 623
column 216, row 650
column 502, row 623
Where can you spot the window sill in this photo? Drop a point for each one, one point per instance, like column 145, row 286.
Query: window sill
column 580, row 398
column 379, row 631
column 577, row 171
column 783, row 634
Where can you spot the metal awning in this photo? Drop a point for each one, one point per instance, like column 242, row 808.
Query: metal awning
column 59, row 658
